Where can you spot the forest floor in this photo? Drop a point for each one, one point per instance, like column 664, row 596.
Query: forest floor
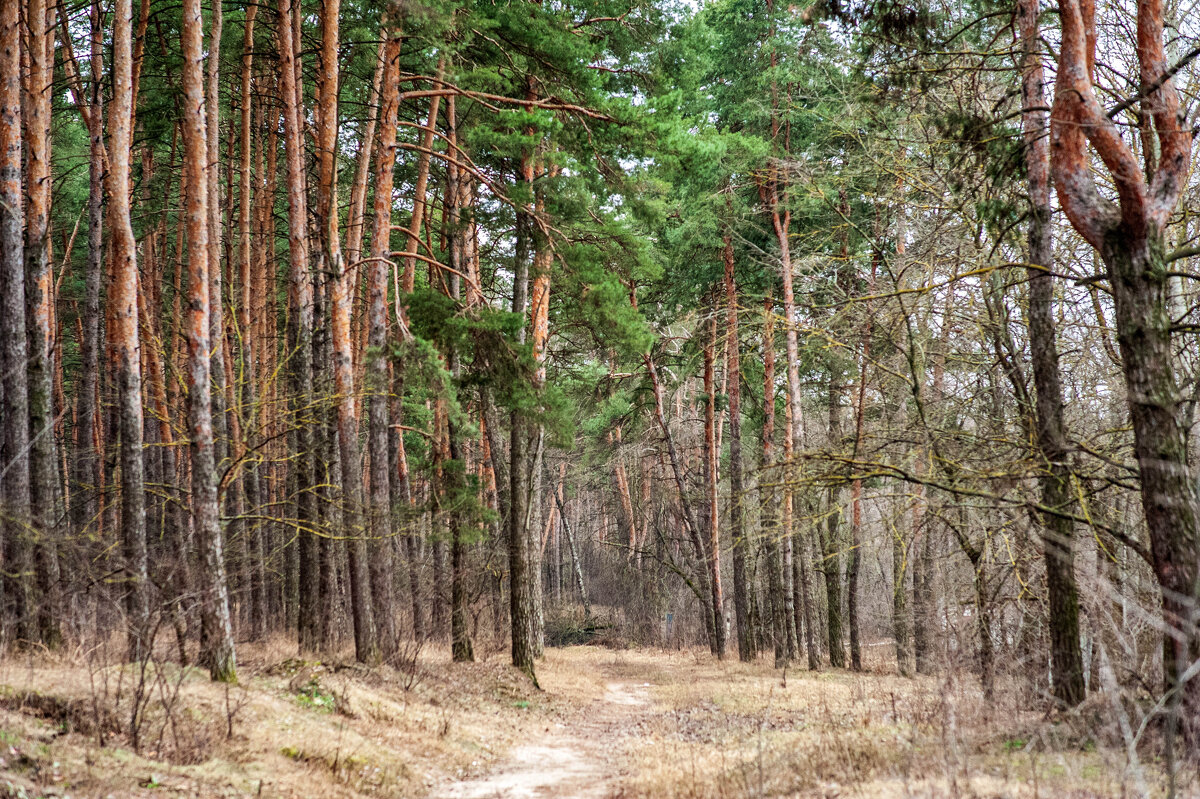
column 633, row 724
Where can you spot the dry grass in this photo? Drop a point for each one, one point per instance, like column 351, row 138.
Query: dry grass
column 735, row 730
column 299, row 729
column 712, row 730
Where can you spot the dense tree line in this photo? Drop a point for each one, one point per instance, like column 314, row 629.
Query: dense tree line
column 774, row 328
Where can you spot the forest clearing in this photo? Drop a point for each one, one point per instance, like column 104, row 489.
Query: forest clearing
column 600, row 398
column 634, row 723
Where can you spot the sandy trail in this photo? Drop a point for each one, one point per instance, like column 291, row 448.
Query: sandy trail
column 575, row 760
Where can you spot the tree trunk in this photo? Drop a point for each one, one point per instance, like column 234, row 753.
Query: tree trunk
column 214, row 599
column 575, row 564
column 299, row 336
column 983, row 621
column 1168, row 485
column 771, row 520
column 86, row 461
column 13, row 356
column 539, row 325
column 366, row 642
column 413, row 237
column 460, row 638
column 1058, row 535
column 922, row 549
column 710, row 481
column 377, row 327
column 704, row 591
column 402, row 501
column 125, row 334
column 831, row 568
column 747, row 650
column 455, row 468
column 1129, row 238
column 852, row 567
column 44, row 495
column 519, row 577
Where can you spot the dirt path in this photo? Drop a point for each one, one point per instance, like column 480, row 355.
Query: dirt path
column 577, row 759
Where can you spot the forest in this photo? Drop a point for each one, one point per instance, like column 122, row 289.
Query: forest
column 597, row 398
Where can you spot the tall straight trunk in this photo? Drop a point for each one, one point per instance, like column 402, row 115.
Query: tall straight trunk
column 222, row 423
column 366, row 640
column 539, row 326
column 356, row 214
column 455, row 470
column 902, row 551
column 14, row 457
column 245, row 318
column 805, row 613
column 460, row 636
column 214, row 598
column 300, row 329
column 327, row 474
column 377, row 327
column 519, row 574
column 856, row 490
column 501, row 485
column 402, row 499
column 413, row 238
column 252, row 343
column 771, row 518
column 769, row 193
column 922, row 565
column 124, row 339
column 747, row 651
column 831, row 555
column 781, row 222
column 372, row 136
column 44, row 495
column 710, row 482
column 85, row 469
column 216, row 312
column 1058, row 539
column 405, row 277
column 795, row 558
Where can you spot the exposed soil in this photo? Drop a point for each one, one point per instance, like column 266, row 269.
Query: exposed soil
column 580, row 757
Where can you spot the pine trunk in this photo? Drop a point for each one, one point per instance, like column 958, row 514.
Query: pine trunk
column 1058, row 535
column 125, row 340
column 44, row 494
column 214, row 598
column 747, row 651
column 710, row 483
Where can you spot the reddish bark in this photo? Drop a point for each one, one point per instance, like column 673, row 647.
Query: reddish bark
column 376, row 357
column 1058, row 530
column 1129, row 237
column 39, row 300
column 366, row 642
column 300, row 328
column 214, row 599
column 124, row 335
column 13, row 354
